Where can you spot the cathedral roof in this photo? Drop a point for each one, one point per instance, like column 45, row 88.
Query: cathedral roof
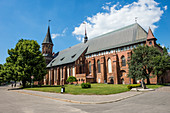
column 48, row 37
column 125, row 36
column 68, row 55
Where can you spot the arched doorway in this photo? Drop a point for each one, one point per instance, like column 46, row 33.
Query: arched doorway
column 122, row 76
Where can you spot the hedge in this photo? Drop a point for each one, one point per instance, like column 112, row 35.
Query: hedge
column 86, row 85
column 133, row 86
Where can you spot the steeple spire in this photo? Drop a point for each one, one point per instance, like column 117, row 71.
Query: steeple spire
column 150, row 35
column 85, row 38
column 48, row 37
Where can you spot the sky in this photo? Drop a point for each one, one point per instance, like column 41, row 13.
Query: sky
column 28, row 19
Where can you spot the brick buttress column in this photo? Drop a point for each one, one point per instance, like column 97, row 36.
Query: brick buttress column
column 49, row 78
column 93, row 69
column 102, row 65
column 115, row 69
column 64, row 74
column 55, row 76
column 58, row 76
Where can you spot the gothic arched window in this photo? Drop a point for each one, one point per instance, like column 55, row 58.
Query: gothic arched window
column 109, row 66
column 123, row 61
column 89, row 67
column 98, row 66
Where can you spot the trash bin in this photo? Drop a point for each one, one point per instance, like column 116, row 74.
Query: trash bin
column 62, row 89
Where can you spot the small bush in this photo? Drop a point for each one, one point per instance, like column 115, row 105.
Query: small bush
column 133, row 86
column 71, row 79
column 86, row 85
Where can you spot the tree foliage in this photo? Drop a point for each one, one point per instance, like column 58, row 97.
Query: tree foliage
column 24, row 61
column 141, row 65
column 161, row 64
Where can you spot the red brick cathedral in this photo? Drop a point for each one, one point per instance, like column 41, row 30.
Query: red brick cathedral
column 101, row 60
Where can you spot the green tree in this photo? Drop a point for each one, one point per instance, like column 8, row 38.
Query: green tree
column 161, row 64
column 24, row 61
column 1, row 75
column 140, row 65
column 71, row 79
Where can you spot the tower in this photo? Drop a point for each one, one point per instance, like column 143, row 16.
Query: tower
column 47, row 47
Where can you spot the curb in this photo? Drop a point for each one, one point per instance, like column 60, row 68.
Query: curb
column 77, row 102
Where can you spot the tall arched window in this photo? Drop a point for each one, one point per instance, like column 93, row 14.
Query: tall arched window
column 98, row 66
column 123, row 61
column 80, row 70
column 89, row 67
column 109, row 66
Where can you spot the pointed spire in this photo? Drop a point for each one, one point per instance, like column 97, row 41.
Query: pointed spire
column 48, row 37
column 85, row 38
column 150, row 35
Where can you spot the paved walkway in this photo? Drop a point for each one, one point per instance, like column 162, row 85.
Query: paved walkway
column 81, row 99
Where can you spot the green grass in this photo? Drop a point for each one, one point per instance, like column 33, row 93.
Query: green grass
column 96, row 89
column 154, row 86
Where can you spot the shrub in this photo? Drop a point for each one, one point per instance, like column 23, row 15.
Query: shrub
column 71, row 79
column 86, row 85
column 133, row 86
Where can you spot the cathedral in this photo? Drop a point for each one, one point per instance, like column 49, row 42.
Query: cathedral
column 102, row 59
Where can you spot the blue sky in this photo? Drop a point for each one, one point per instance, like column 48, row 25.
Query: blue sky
column 28, row 19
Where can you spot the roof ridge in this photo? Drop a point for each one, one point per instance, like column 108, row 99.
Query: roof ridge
column 115, row 31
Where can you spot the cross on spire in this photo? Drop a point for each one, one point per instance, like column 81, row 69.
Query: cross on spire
column 49, row 22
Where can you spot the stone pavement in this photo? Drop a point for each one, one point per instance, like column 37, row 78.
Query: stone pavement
column 81, row 99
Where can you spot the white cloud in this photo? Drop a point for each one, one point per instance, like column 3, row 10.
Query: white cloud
column 108, row 3
column 59, row 35
column 147, row 11
column 166, row 7
column 105, row 7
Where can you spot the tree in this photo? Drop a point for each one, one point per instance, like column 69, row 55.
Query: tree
column 71, row 79
column 140, row 65
column 1, row 75
column 24, row 61
column 161, row 64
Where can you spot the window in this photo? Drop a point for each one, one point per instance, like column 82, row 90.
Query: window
column 68, row 72
column 73, row 71
column 80, row 72
column 73, row 56
column 62, row 59
column 122, row 49
column 109, row 66
column 123, row 61
column 89, row 67
column 98, row 66
column 150, row 43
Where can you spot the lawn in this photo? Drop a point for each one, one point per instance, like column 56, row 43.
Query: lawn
column 96, row 89
column 154, row 86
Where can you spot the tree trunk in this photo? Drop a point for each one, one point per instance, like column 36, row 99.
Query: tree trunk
column 23, row 83
column 148, row 80
column 143, row 84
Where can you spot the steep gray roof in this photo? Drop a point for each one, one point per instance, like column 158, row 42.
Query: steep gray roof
column 128, row 35
column 68, row 55
column 48, row 37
